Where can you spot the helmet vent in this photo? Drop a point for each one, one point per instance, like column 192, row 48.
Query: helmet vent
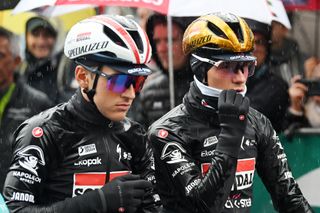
column 216, row 30
column 237, row 30
column 114, row 37
column 137, row 39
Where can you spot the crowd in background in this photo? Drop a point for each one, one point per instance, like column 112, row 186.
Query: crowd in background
column 43, row 77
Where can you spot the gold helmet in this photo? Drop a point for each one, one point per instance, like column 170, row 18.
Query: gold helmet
column 217, row 36
column 221, row 32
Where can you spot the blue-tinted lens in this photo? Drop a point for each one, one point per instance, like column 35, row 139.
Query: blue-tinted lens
column 120, row 83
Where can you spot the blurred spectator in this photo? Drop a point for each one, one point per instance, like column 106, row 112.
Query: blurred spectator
column 18, row 101
column 41, row 61
column 154, row 99
column 267, row 92
column 286, row 58
column 304, row 109
column 143, row 15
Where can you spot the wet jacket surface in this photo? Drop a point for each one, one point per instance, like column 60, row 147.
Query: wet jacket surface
column 192, row 176
column 69, row 151
column 24, row 103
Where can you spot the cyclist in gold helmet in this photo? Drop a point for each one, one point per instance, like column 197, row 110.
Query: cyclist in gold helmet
column 207, row 149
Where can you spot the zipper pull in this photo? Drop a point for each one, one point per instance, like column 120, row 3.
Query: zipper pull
column 110, row 124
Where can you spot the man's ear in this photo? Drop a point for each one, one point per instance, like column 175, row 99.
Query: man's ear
column 82, row 76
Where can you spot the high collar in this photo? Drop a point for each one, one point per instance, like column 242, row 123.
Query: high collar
column 201, row 106
column 88, row 112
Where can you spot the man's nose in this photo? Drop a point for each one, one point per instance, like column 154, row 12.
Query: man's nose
column 129, row 93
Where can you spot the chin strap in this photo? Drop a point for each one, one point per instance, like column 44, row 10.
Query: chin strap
column 90, row 93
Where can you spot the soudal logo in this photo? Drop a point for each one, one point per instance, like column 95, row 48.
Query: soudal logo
column 244, row 174
column 84, row 182
column 89, row 162
column 87, row 149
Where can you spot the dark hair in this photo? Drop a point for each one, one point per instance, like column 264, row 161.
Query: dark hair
column 13, row 40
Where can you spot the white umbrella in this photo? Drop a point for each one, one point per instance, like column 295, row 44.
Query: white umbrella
column 261, row 10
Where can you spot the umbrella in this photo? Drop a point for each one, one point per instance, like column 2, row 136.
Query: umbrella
column 261, row 10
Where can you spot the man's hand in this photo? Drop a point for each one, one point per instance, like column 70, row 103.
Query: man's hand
column 125, row 194
column 233, row 109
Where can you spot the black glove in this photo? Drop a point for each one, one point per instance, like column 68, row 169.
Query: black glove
column 125, row 193
column 233, row 109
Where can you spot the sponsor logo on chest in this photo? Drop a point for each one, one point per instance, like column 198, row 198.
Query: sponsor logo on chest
column 84, row 182
column 87, row 149
column 244, row 174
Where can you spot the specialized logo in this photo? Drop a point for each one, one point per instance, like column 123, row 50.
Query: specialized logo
column 30, row 157
column 88, row 48
column 89, row 162
column 87, row 149
column 210, row 141
column 173, row 151
column 162, row 133
column 122, row 154
column 84, row 182
column 247, row 143
column 25, row 197
column 37, row 132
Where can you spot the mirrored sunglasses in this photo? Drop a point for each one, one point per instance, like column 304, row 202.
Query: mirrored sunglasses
column 231, row 66
column 119, row 83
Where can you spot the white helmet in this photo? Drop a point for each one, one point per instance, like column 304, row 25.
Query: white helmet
column 116, row 41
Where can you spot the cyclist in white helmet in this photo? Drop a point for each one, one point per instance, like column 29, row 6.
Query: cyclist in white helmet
column 90, row 157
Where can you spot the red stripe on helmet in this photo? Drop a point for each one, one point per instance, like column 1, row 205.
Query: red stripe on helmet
column 123, row 32
column 148, row 47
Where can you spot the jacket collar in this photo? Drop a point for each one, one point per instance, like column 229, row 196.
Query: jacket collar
column 88, row 112
column 201, row 106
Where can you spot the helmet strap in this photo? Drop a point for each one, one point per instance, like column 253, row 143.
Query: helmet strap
column 90, row 93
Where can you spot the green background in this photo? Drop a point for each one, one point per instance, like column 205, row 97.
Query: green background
column 303, row 153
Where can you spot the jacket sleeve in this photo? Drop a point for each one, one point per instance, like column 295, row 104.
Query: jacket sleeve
column 143, row 164
column 206, row 193
column 26, row 178
column 273, row 169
